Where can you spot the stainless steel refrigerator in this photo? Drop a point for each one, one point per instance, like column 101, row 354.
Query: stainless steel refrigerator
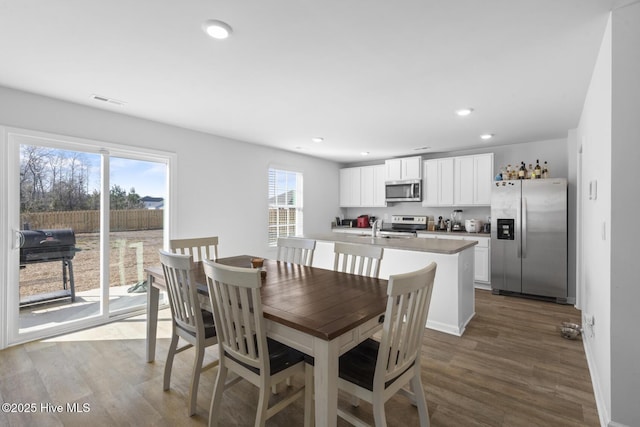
column 529, row 238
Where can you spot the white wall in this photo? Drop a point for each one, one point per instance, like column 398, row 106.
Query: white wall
column 222, row 183
column 594, row 135
column 625, row 201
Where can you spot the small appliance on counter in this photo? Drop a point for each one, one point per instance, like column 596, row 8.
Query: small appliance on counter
column 456, row 220
column 473, row 225
column 363, row 221
column 349, row 223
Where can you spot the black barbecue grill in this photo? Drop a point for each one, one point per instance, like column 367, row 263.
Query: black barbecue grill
column 38, row 246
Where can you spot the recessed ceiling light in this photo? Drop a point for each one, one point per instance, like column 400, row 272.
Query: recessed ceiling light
column 217, row 29
column 464, row 111
column 421, row 148
column 317, row 139
column 364, row 153
column 486, row 136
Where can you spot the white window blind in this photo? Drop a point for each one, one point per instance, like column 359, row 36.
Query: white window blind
column 285, row 204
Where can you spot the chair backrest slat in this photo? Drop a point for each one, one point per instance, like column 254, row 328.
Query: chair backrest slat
column 200, row 248
column 409, row 296
column 296, row 250
column 363, row 260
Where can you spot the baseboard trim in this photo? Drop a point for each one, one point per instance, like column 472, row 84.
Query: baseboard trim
column 603, row 413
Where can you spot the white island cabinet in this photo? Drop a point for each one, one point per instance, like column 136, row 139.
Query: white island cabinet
column 482, row 254
column 453, row 300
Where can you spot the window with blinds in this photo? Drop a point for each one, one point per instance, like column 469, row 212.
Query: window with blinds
column 285, row 204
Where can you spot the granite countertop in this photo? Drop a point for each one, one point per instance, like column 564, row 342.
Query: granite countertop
column 440, row 246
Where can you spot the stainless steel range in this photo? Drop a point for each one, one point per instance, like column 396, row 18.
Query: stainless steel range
column 404, row 226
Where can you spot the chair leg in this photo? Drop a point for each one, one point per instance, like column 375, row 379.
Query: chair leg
column 195, row 378
column 421, row 401
column 216, row 399
column 309, row 403
column 379, row 417
column 263, row 405
column 169, row 363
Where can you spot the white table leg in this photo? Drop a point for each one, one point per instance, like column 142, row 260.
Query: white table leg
column 153, row 297
column 326, row 382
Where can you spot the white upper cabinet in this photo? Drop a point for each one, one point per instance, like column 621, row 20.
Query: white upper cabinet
column 402, row 169
column 350, row 187
column 438, row 183
column 464, row 178
column 372, row 192
column 483, row 171
column 458, row 181
column 362, row 186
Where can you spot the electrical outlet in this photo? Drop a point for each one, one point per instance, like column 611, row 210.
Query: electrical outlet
column 589, row 319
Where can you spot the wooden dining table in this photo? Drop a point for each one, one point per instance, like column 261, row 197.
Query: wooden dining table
column 323, row 313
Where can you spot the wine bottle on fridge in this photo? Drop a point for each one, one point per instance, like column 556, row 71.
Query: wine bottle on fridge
column 545, row 171
column 522, row 173
column 537, row 170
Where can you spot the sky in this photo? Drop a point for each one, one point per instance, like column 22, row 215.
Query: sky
column 148, row 178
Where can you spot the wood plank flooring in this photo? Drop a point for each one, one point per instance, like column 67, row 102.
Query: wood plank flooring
column 511, row 368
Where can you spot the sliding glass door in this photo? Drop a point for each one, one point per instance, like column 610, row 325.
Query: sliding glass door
column 86, row 223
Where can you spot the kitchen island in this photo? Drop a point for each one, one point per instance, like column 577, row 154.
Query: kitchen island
column 452, row 302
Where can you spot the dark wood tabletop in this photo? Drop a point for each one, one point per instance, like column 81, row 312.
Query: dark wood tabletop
column 319, row 302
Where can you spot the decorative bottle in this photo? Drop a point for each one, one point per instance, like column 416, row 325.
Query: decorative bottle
column 522, row 173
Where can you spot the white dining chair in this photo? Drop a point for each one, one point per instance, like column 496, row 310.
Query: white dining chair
column 200, row 248
column 244, row 347
column 189, row 321
column 296, row 250
column 374, row 371
column 363, row 260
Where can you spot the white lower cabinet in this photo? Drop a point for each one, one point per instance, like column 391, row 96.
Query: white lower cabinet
column 482, row 260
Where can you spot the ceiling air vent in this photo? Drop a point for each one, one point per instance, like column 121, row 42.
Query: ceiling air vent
column 109, row 100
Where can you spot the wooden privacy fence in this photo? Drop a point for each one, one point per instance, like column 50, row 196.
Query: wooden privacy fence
column 89, row 221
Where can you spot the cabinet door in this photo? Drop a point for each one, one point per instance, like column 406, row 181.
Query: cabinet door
column 412, row 168
column 366, row 186
column 430, row 183
column 464, row 175
column 445, row 180
column 483, row 179
column 379, row 178
column 393, row 169
column 481, row 264
column 350, row 187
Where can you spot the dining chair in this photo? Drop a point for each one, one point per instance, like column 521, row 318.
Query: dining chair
column 244, row 347
column 189, row 321
column 296, row 250
column 200, row 248
column 374, row 371
column 363, row 260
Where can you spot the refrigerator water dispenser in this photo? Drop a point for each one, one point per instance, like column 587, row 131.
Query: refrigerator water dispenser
column 505, row 229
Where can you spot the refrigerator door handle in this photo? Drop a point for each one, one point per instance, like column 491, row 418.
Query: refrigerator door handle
column 524, row 227
column 517, row 231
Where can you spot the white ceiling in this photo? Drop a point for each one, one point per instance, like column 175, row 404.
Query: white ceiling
column 367, row 75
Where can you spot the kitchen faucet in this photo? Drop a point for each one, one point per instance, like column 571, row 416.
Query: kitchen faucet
column 375, row 227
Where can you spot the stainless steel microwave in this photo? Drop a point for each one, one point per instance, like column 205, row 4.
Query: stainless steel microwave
column 403, row 191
